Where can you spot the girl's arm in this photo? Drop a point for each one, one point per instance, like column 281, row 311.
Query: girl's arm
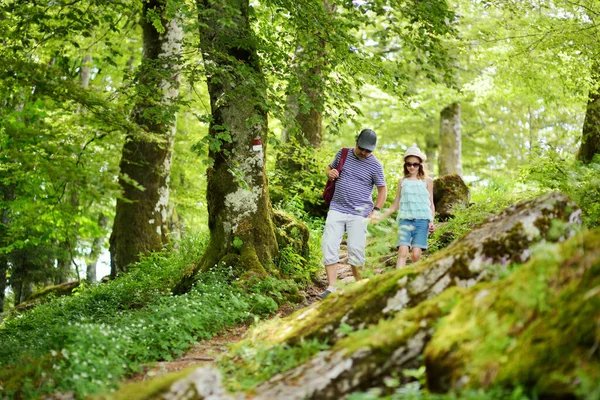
column 430, row 190
column 395, row 205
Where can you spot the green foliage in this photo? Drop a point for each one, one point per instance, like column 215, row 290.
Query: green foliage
column 297, row 178
column 581, row 182
column 90, row 341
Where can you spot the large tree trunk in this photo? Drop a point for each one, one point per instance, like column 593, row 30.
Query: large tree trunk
column 140, row 224
column 239, row 209
column 450, row 157
column 590, row 134
column 305, row 106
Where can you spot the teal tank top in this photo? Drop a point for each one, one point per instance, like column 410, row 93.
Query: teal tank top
column 414, row 200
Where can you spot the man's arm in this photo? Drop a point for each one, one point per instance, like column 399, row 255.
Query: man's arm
column 381, row 196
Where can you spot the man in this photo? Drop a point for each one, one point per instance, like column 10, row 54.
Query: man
column 352, row 206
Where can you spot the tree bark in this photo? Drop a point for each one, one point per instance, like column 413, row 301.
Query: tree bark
column 240, row 217
column 590, row 134
column 450, row 157
column 140, row 224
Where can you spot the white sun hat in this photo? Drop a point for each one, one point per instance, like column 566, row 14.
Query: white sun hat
column 415, row 151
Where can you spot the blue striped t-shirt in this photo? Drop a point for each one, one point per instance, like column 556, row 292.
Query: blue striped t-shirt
column 354, row 187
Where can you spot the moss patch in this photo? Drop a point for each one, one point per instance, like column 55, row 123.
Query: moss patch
column 536, row 329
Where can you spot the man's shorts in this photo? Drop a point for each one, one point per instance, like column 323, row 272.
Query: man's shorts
column 336, row 224
column 413, row 233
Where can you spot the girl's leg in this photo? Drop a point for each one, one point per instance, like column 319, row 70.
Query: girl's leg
column 416, row 254
column 419, row 239
column 402, row 254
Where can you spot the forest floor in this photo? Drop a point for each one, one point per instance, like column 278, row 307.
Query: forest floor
column 207, row 351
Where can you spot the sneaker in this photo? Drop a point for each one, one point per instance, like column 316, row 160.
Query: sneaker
column 324, row 294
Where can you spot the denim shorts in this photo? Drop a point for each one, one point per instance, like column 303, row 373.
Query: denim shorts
column 413, row 233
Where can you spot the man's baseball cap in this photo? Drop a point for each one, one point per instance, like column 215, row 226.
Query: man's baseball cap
column 367, row 139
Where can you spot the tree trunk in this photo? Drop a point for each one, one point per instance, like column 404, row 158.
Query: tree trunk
column 85, row 71
column 307, row 113
column 240, row 218
column 450, row 161
column 96, row 250
column 3, row 271
column 590, row 134
column 432, row 143
column 140, row 224
column 8, row 195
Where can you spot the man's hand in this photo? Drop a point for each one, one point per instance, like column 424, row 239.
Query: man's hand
column 333, row 174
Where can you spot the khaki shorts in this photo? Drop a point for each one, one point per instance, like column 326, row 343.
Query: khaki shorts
column 336, row 225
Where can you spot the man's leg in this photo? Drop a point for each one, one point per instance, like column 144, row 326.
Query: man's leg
column 331, row 271
column 356, row 272
column 357, row 241
column 330, row 245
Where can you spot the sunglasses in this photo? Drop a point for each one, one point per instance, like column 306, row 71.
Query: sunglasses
column 416, row 164
column 365, row 150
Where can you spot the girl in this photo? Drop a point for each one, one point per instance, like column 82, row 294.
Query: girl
column 415, row 201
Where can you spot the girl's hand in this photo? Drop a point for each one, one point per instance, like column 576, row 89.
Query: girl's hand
column 374, row 217
column 431, row 227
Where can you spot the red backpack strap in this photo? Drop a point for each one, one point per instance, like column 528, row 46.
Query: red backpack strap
column 342, row 159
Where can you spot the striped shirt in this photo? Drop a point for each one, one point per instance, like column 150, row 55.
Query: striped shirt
column 354, row 187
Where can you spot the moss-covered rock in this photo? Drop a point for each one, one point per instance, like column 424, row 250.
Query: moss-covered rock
column 448, row 191
column 448, row 314
column 501, row 239
column 540, row 328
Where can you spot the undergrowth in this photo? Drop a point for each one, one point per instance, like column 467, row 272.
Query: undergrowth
column 87, row 342
column 581, row 182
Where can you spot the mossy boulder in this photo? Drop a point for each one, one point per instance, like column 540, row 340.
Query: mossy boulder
column 448, row 191
column 428, row 315
column 539, row 328
column 474, row 257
